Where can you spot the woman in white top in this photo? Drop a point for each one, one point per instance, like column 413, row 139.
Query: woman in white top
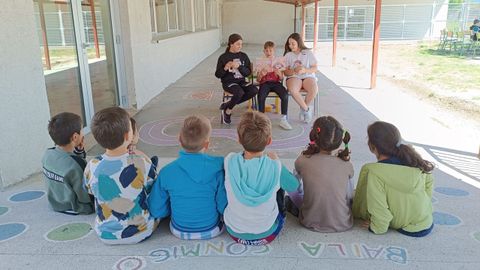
column 300, row 72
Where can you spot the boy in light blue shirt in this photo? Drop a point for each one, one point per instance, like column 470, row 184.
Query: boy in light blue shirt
column 191, row 188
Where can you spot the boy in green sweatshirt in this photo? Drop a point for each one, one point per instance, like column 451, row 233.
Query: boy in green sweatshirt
column 63, row 166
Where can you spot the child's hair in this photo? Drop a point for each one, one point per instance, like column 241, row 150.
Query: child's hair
column 62, row 127
column 109, row 127
column 232, row 39
column 254, row 131
column 298, row 39
column 387, row 141
column 134, row 125
column 195, row 132
column 269, row 44
column 326, row 135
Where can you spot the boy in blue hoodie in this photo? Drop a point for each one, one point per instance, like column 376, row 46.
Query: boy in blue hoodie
column 192, row 186
column 252, row 181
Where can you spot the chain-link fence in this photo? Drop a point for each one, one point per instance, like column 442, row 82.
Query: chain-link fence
column 398, row 22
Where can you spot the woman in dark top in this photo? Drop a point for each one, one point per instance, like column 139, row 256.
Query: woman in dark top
column 232, row 68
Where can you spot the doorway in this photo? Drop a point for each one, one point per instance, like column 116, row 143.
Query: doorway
column 78, row 55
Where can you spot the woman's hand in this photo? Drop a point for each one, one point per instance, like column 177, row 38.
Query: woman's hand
column 299, row 70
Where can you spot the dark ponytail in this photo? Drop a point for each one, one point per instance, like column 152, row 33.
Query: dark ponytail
column 387, row 141
column 327, row 135
column 232, row 39
column 410, row 157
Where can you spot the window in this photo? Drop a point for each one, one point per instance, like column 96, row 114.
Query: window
column 174, row 17
column 211, row 7
column 164, row 16
column 199, row 14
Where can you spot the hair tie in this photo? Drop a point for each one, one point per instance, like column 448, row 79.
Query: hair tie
column 346, row 145
column 312, row 142
column 318, row 130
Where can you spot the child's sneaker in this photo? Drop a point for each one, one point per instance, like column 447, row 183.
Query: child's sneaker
column 226, row 117
column 284, row 124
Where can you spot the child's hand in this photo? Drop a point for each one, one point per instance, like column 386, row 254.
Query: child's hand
column 235, row 64
column 81, row 145
column 263, row 72
column 366, row 224
column 228, row 65
column 272, row 155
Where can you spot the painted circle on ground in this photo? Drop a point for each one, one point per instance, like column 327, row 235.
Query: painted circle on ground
column 11, row 230
column 3, row 210
column 451, row 191
column 476, row 236
column 26, row 196
column 440, row 218
column 130, row 263
column 69, row 232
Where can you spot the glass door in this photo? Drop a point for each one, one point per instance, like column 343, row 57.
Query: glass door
column 100, row 53
column 60, row 60
column 78, row 54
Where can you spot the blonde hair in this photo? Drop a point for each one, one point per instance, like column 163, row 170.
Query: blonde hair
column 254, row 131
column 195, row 132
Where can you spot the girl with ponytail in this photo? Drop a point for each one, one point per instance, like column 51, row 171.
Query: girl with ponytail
column 399, row 185
column 325, row 205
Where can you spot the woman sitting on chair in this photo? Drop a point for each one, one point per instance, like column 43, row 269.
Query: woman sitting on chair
column 300, row 72
column 232, row 68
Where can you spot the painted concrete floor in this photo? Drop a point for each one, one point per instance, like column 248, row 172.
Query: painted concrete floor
column 34, row 237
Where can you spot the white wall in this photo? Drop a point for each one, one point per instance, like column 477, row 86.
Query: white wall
column 24, row 107
column 257, row 21
column 157, row 65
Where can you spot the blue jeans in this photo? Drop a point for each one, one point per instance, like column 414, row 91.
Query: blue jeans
column 416, row 234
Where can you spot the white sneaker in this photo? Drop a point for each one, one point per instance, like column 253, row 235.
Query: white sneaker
column 301, row 115
column 284, row 124
column 309, row 115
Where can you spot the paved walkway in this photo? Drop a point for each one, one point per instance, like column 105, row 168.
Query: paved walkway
column 33, row 237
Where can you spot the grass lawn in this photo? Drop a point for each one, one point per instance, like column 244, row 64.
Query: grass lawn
column 448, row 71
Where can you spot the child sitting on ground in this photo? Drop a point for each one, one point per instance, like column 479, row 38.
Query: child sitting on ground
column 270, row 79
column 326, row 205
column 396, row 191
column 63, row 166
column 192, row 186
column 252, row 180
column 118, row 180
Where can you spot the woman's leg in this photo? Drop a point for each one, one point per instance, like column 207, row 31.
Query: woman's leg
column 237, row 92
column 310, row 86
column 294, row 85
column 249, row 92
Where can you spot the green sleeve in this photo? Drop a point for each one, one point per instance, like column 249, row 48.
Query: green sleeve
column 380, row 215
column 429, row 185
column 288, row 181
column 75, row 180
column 359, row 207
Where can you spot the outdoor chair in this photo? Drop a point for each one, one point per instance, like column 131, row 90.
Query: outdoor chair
column 316, row 104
